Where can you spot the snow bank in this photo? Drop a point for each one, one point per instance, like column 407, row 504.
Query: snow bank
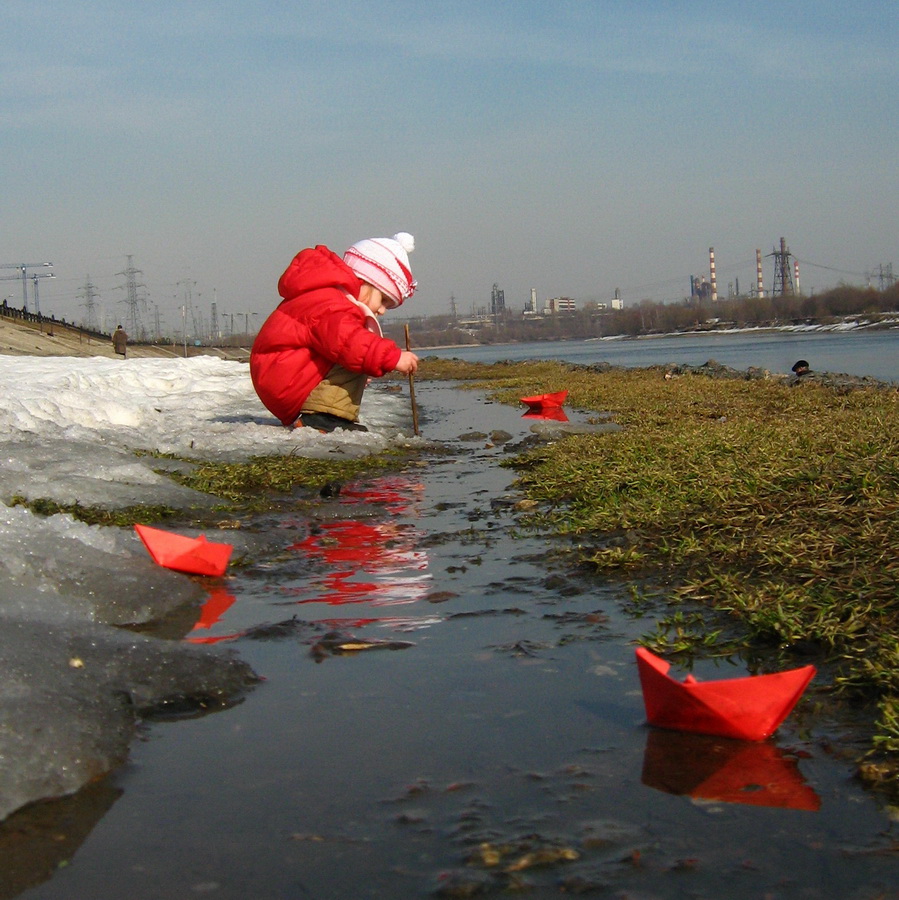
column 70, row 431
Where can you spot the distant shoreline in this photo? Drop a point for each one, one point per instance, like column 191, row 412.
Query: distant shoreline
column 848, row 326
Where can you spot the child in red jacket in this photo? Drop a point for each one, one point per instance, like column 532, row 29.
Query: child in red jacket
column 315, row 353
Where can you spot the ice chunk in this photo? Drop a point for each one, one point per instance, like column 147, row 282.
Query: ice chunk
column 70, row 696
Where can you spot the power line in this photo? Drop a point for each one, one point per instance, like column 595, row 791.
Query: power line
column 805, row 262
column 132, row 298
column 89, row 292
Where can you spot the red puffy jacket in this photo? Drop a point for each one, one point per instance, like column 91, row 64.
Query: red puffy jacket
column 314, row 327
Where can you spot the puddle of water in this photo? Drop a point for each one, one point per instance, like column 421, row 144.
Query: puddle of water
column 503, row 749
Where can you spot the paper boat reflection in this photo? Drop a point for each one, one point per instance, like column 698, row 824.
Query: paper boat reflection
column 217, row 604
column 542, row 401
column 196, row 556
column 555, row 413
column 713, row 768
column 748, row 708
column 367, row 558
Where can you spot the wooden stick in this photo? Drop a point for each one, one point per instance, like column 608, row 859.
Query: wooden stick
column 412, row 388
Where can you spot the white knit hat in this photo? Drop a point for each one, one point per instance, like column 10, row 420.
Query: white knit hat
column 384, row 264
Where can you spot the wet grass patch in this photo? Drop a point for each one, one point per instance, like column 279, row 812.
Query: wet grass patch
column 261, row 478
column 777, row 504
column 257, row 485
column 94, row 515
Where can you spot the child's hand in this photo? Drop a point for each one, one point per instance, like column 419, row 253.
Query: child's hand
column 408, row 363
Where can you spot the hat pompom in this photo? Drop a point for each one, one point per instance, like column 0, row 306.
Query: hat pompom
column 405, row 240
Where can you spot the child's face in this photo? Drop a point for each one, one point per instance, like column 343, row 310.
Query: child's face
column 375, row 300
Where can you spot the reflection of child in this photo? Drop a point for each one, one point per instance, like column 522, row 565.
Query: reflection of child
column 314, row 355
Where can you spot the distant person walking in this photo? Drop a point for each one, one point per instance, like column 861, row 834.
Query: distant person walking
column 120, row 341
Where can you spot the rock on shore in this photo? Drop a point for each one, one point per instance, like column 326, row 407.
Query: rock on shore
column 73, row 692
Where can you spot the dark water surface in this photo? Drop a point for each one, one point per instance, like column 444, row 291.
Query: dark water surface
column 510, row 733
column 861, row 352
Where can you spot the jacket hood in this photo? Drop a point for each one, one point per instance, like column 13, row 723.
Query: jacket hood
column 316, row 268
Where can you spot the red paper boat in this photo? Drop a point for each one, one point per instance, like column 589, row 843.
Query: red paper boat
column 749, row 709
column 541, row 401
column 196, row 556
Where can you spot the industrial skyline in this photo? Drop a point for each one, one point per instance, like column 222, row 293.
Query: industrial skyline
column 132, row 302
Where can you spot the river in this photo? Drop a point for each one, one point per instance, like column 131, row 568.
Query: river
column 496, row 743
column 857, row 352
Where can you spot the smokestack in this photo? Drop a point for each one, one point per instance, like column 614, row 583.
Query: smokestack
column 796, row 274
column 712, row 277
column 759, row 284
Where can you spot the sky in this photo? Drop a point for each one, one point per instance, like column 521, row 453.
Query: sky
column 571, row 148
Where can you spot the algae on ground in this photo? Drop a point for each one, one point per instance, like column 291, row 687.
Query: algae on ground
column 257, row 484
column 266, row 476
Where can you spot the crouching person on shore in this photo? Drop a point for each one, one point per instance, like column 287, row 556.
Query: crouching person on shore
column 315, row 353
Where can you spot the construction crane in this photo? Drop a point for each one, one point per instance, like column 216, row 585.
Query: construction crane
column 34, row 278
column 23, row 274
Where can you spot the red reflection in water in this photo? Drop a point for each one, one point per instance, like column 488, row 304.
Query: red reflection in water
column 556, row 414
column 369, row 558
column 731, row 771
column 216, row 605
column 372, row 561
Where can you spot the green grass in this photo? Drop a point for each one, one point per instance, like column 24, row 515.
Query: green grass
column 93, row 515
column 264, row 477
column 257, row 485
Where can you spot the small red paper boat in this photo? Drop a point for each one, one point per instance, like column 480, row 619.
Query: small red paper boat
column 197, row 556
column 542, row 401
column 750, row 708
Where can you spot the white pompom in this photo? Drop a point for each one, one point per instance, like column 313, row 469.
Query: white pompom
column 405, row 240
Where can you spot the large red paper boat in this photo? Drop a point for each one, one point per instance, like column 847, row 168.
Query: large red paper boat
column 545, row 401
column 750, row 708
column 196, row 556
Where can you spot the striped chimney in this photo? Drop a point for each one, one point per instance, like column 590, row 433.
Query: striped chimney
column 759, row 284
column 796, row 275
column 712, row 277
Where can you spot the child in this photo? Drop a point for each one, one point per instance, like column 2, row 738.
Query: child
column 315, row 353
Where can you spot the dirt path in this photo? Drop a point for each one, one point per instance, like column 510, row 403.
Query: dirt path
column 19, row 338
